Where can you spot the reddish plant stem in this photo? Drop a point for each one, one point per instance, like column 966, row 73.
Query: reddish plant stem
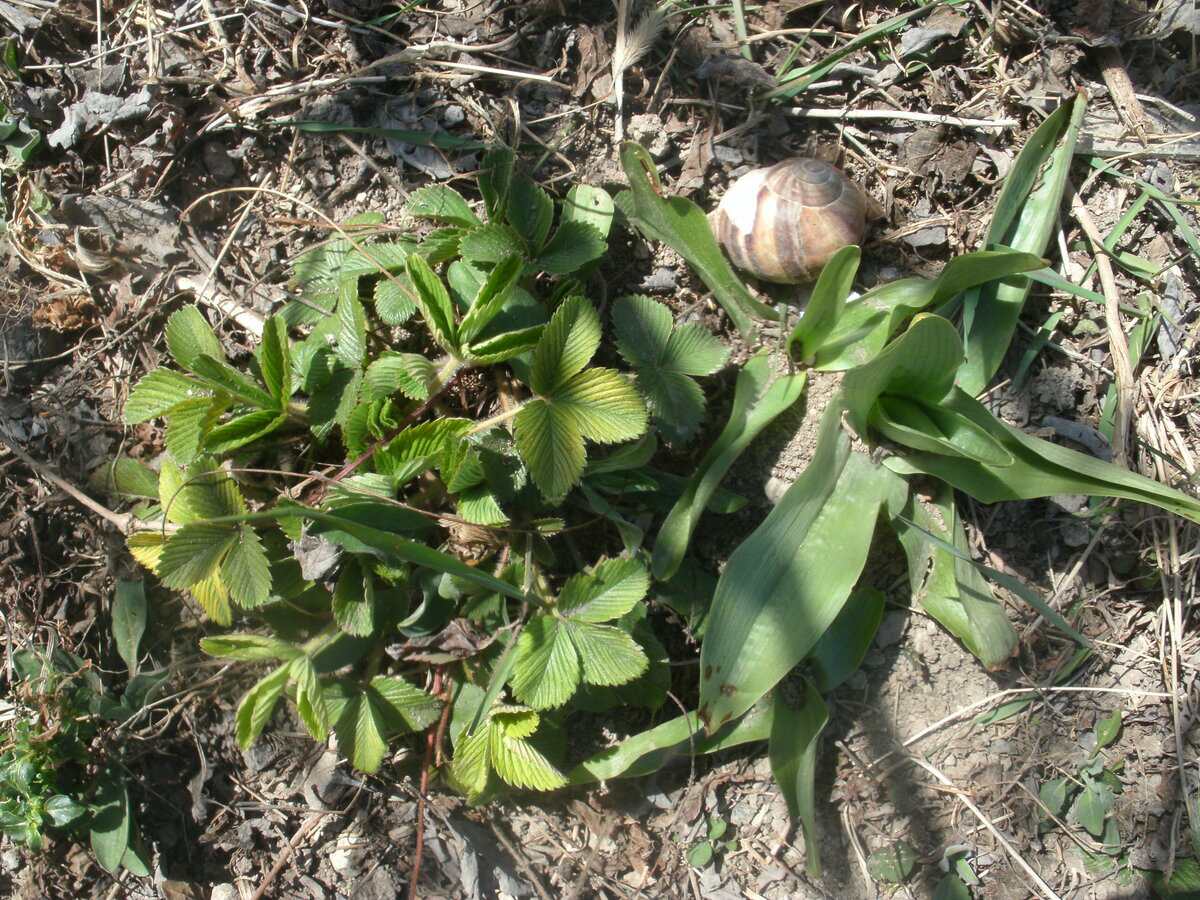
column 433, row 740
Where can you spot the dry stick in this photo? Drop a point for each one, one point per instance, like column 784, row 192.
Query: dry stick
column 120, row 520
column 987, row 823
column 1129, row 108
column 286, row 853
column 936, row 118
column 1118, row 346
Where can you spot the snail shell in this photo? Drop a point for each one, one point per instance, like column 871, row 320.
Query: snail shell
column 783, row 223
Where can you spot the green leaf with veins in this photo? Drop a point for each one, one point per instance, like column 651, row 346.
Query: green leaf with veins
column 189, row 336
column 664, row 360
column 555, row 652
column 500, row 745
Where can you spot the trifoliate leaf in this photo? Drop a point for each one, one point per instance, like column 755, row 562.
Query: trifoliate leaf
column 389, row 372
column 608, row 654
column 221, row 375
column 547, row 669
column 604, row 405
column 567, row 344
column 364, row 715
column 610, row 591
column 441, row 204
column 573, row 246
column 159, row 392
column 246, row 571
column 490, row 299
column 190, row 336
column 643, row 328
column 258, row 704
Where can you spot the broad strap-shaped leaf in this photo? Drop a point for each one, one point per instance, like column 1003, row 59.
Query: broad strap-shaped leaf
column 1040, row 468
column 793, row 753
column 256, row 707
column 912, row 423
column 1024, row 219
column 567, row 344
column 681, row 225
column 189, row 336
column 110, row 825
column 760, row 396
column 433, row 300
column 607, row 593
column 825, row 306
column 949, row 588
column 129, row 620
column 785, row 584
column 159, row 392
column 441, row 203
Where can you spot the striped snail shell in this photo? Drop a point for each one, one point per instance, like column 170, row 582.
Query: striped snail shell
column 784, row 222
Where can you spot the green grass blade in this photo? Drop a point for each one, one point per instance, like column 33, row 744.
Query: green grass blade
column 1025, row 216
column 758, row 399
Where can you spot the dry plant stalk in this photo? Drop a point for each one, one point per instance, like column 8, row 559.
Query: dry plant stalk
column 632, row 43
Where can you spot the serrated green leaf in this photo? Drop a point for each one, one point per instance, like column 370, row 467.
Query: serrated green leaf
column 495, row 178
column 351, row 334
column 574, row 245
column 590, row 205
column 276, row 360
column 187, row 426
column 604, row 405
column 256, row 707
column 675, row 401
column 610, row 591
column 567, row 344
column 504, row 347
column 478, row 505
column 125, row 475
column 405, row 707
column 189, row 336
column 354, row 600
column 433, row 300
column 310, row 701
column 441, row 204
column 333, row 400
column 129, row 620
column 490, row 299
column 246, row 572
column 394, row 299
column 643, row 329
column 146, row 548
column 490, row 244
column 547, row 669
column 159, row 392
column 194, row 552
column 530, row 212
column 551, row 445
column 248, row 646
column 222, row 376
column 609, row 655
column 408, row 373
column 694, row 350
column 519, row 764
column 243, row 430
